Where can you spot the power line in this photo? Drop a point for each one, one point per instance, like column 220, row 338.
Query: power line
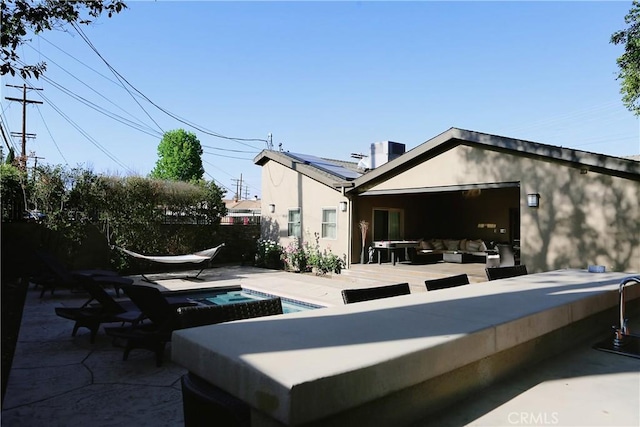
column 228, row 174
column 103, row 111
column 115, row 73
column 4, row 123
column 70, row 93
column 230, row 150
column 227, row 157
column 6, row 133
column 122, row 85
column 86, row 135
column 218, row 183
column 51, row 136
column 242, row 141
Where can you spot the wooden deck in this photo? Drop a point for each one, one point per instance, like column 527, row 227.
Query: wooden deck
column 372, row 274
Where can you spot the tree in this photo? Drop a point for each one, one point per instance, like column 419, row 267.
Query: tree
column 21, row 16
column 179, row 157
column 629, row 61
column 11, row 157
column 12, row 198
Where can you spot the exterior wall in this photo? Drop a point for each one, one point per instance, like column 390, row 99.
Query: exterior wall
column 583, row 219
column 286, row 188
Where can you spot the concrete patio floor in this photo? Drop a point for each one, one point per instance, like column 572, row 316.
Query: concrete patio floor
column 59, row 380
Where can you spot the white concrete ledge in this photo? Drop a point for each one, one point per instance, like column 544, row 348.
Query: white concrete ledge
column 303, row 367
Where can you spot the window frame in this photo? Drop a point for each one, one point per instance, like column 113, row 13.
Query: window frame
column 292, row 224
column 334, row 223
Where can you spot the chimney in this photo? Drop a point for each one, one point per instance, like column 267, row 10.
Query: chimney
column 383, row 152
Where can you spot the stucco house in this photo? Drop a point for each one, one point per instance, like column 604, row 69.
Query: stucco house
column 563, row 208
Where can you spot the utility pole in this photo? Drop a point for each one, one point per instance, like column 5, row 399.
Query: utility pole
column 238, row 187
column 35, row 158
column 25, row 135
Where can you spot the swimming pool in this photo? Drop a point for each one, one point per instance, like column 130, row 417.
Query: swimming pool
column 237, row 295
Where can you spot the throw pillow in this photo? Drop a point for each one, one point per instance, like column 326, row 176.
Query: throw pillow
column 425, row 245
column 473, row 246
column 437, row 244
column 452, row 245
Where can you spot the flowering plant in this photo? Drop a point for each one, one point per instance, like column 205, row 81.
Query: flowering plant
column 324, row 261
column 269, row 254
column 295, row 256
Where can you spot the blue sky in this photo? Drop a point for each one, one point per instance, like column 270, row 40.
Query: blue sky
column 326, row 78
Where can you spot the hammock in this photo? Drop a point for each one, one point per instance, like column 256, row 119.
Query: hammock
column 195, row 258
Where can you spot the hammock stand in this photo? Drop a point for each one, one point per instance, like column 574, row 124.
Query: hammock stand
column 195, row 258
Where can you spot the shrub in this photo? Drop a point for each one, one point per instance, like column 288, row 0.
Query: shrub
column 132, row 212
column 324, row 261
column 269, row 254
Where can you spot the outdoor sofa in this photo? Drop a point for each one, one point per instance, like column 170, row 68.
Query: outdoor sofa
column 430, row 251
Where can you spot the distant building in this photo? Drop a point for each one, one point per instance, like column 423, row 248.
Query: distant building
column 243, row 212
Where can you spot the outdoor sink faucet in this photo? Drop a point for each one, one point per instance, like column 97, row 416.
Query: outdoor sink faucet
column 623, row 329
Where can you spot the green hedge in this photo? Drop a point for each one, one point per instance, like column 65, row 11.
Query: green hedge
column 141, row 214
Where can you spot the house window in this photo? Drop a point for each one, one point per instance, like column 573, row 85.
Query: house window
column 329, row 223
column 293, row 225
column 387, row 224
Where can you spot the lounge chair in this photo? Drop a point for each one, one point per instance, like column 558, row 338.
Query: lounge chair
column 189, row 317
column 205, row 257
column 151, row 336
column 447, row 282
column 107, row 309
column 365, row 294
column 495, row 273
column 56, row 275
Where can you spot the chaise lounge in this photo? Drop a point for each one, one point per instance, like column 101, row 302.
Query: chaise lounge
column 150, row 336
column 107, row 310
column 55, row 275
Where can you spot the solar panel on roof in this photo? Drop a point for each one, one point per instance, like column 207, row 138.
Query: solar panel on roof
column 326, row 165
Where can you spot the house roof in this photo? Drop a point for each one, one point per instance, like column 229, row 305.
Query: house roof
column 242, row 204
column 601, row 163
column 333, row 173
column 336, row 174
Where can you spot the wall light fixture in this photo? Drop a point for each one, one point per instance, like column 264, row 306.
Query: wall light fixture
column 533, row 200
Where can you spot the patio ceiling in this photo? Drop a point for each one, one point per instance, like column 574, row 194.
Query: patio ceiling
column 441, row 189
